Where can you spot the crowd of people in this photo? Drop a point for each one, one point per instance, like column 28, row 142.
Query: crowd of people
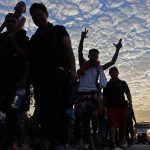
column 72, row 107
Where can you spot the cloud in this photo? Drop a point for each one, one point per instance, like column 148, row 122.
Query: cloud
column 115, row 4
column 107, row 21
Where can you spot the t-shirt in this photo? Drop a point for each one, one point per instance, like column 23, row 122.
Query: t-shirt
column 114, row 93
column 87, row 81
column 48, row 53
column 12, row 66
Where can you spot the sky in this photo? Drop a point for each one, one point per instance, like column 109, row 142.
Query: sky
column 107, row 22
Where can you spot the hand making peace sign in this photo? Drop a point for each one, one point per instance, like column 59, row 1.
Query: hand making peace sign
column 119, row 44
column 84, row 33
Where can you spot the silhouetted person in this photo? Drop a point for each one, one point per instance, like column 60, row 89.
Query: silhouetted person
column 13, row 52
column 90, row 70
column 52, row 64
column 19, row 8
column 114, row 95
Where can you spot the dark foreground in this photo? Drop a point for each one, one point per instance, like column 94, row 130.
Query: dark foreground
column 133, row 147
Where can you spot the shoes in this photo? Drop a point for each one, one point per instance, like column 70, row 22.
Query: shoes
column 128, row 145
column 14, row 147
column 86, row 146
column 112, row 146
column 123, row 146
column 96, row 139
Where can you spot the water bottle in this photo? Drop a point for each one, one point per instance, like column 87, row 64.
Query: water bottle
column 70, row 113
column 16, row 104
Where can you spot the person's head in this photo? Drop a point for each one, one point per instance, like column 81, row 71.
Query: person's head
column 20, row 7
column 93, row 55
column 113, row 72
column 11, row 22
column 39, row 14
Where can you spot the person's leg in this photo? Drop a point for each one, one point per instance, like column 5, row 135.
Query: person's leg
column 62, row 127
column 12, row 121
column 117, row 135
column 44, row 113
column 20, row 130
column 95, row 127
column 87, row 136
column 132, row 134
column 86, row 122
column 94, row 122
column 111, row 115
column 103, row 130
column 59, row 120
column 122, row 122
column 77, row 129
column 128, row 136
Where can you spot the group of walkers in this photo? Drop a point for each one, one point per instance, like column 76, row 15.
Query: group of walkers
column 71, row 107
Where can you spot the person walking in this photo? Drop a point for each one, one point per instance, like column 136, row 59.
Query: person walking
column 52, row 72
column 114, row 95
column 90, row 73
column 13, row 54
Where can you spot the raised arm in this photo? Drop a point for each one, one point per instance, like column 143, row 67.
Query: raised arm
column 21, row 23
column 114, row 58
column 2, row 27
column 20, row 46
column 80, row 48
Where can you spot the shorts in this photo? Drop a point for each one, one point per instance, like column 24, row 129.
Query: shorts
column 87, row 104
column 117, row 116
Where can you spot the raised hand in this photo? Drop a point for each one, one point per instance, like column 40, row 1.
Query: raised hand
column 84, row 34
column 119, row 44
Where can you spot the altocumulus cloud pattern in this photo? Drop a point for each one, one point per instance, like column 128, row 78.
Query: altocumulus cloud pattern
column 107, row 21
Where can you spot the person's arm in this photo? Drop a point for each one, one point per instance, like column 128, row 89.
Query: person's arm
column 21, row 23
column 114, row 58
column 68, row 47
column 133, row 116
column 2, row 27
column 21, row 48
column 80, row 48
column 129, row 97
